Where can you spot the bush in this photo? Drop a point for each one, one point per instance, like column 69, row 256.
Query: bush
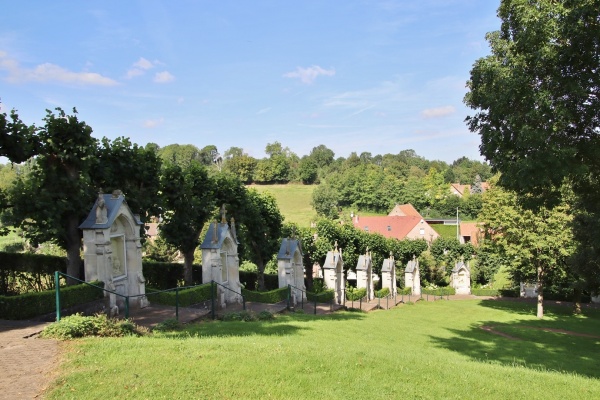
column 34, row 304
column 443, row 291
column 246, row 316
column 405, row 290
column 77, row 325
column 324, row 297
column 186, row 297
column 485, row 292
column 513, row 292
column 170, row 324
column 265, row 316
column 250, row 280
column 382, row 293
column 271, row 297
column 163, row 276
column 354, row 294
column 23, row 273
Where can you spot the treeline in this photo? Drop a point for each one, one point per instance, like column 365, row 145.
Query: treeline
column 359, row 183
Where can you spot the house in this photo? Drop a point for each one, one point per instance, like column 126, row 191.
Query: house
column 460, row 190
column 404, row 210
column 470, row 233
column 398, row 227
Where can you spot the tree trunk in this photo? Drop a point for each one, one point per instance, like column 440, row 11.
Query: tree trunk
column 540, row 292
column 73, row 244
column 577, row 300
column 188, row 261
column 261, row 275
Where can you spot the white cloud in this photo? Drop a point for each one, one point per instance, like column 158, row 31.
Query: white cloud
column 438, row 112
column 48, row 72
column 140, row 67
column 153, row 123
column 308, row 75
column 163, row 77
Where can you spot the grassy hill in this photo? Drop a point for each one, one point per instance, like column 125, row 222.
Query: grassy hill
column 293, row 200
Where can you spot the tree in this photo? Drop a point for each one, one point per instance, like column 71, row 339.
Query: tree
column 59, row 185
column 537, row 96
column 325, row 201
column 181, row 154
column 536, row 243
column 189, row 199
column 17, row 140
column 322, row 156
column 307, row 170
column 241, row 166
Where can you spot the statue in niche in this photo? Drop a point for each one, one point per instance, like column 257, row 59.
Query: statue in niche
column 101, row 211
column 142, row 287
column 113, row 309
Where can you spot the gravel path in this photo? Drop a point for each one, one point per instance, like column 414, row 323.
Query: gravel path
column 27, row 363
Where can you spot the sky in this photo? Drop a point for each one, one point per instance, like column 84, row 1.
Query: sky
column 363, row 76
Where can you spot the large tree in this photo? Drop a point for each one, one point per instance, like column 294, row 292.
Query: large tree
column 54, row 197
column 537, row 95
column 189, row 199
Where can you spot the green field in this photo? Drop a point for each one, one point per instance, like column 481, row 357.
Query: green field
column 293, row 201
column 427, row 350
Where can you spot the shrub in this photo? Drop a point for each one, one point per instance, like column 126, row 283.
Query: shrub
column 405, row 290
column 77, row 325
column 163, row 275
column 485, row 292
column 382, row 293
column 354, row 294
column 250, row 280
column 33, row 304
column 271, row 297
column 513, row 292
column 443, row 291
column 323, row 297
column 186, row 297
column 246, row 316
column 265, row 316
column 170, row 324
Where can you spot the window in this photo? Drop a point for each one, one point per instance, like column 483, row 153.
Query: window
column 389, row 228
column 422, row 231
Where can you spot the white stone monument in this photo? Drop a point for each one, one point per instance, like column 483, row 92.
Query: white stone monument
column 460, row 279
column 412, row 277
column 388, row 274
column 527, row 290
column 220, row 261
column 290, row 268
column 112, row 250
column 364, row 274
column 333, row 273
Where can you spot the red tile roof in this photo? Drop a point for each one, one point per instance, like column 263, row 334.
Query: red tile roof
column 406, row 210
column 470, row 229
column 391, row 226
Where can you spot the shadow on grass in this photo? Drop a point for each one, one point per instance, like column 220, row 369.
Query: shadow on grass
column 528, row 345
column 282, row 325
column 529, row 306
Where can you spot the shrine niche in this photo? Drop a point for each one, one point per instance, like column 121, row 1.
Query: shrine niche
column 112, row 250
column 412, row 277
column 388, row 274
column 290, row 268
column 333, row 273
column 220, row 261
column 461, row 278
column 364, row 274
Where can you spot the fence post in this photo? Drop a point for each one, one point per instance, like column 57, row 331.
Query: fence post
column 288, row 297
column 177, row 304
column 57, row 290
column 315, row 304
column 126, row 307
column 212, row 298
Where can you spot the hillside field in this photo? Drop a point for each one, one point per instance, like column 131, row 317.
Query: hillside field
column 293, row 200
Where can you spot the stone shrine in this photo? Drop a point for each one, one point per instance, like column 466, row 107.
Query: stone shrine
column 290, row 268
column 460, row 279
column 220, row 261
column 364, row 274
column 112, row 251
column 333, row 273
column 412, row 277
column 388, row 274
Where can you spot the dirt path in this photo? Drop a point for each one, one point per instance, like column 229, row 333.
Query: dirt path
column 27, row 363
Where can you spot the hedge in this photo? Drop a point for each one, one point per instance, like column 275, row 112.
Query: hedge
column 271, row 297
column 485, row 292
column 186, row 297
column 249, row 280
column 323, row 297
column 443, row 291
column 382, row 293
column 163, row 275
column 405, row 290
column 33, row 304
column 33, row 263
column 354, row 294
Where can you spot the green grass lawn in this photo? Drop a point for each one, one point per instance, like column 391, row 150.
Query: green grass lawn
column 445, row 231
column 434, row 350
column 293, row 201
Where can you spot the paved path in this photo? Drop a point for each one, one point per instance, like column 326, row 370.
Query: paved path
column 26, row 361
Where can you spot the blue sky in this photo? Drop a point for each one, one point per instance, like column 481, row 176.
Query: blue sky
column 377, row 76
